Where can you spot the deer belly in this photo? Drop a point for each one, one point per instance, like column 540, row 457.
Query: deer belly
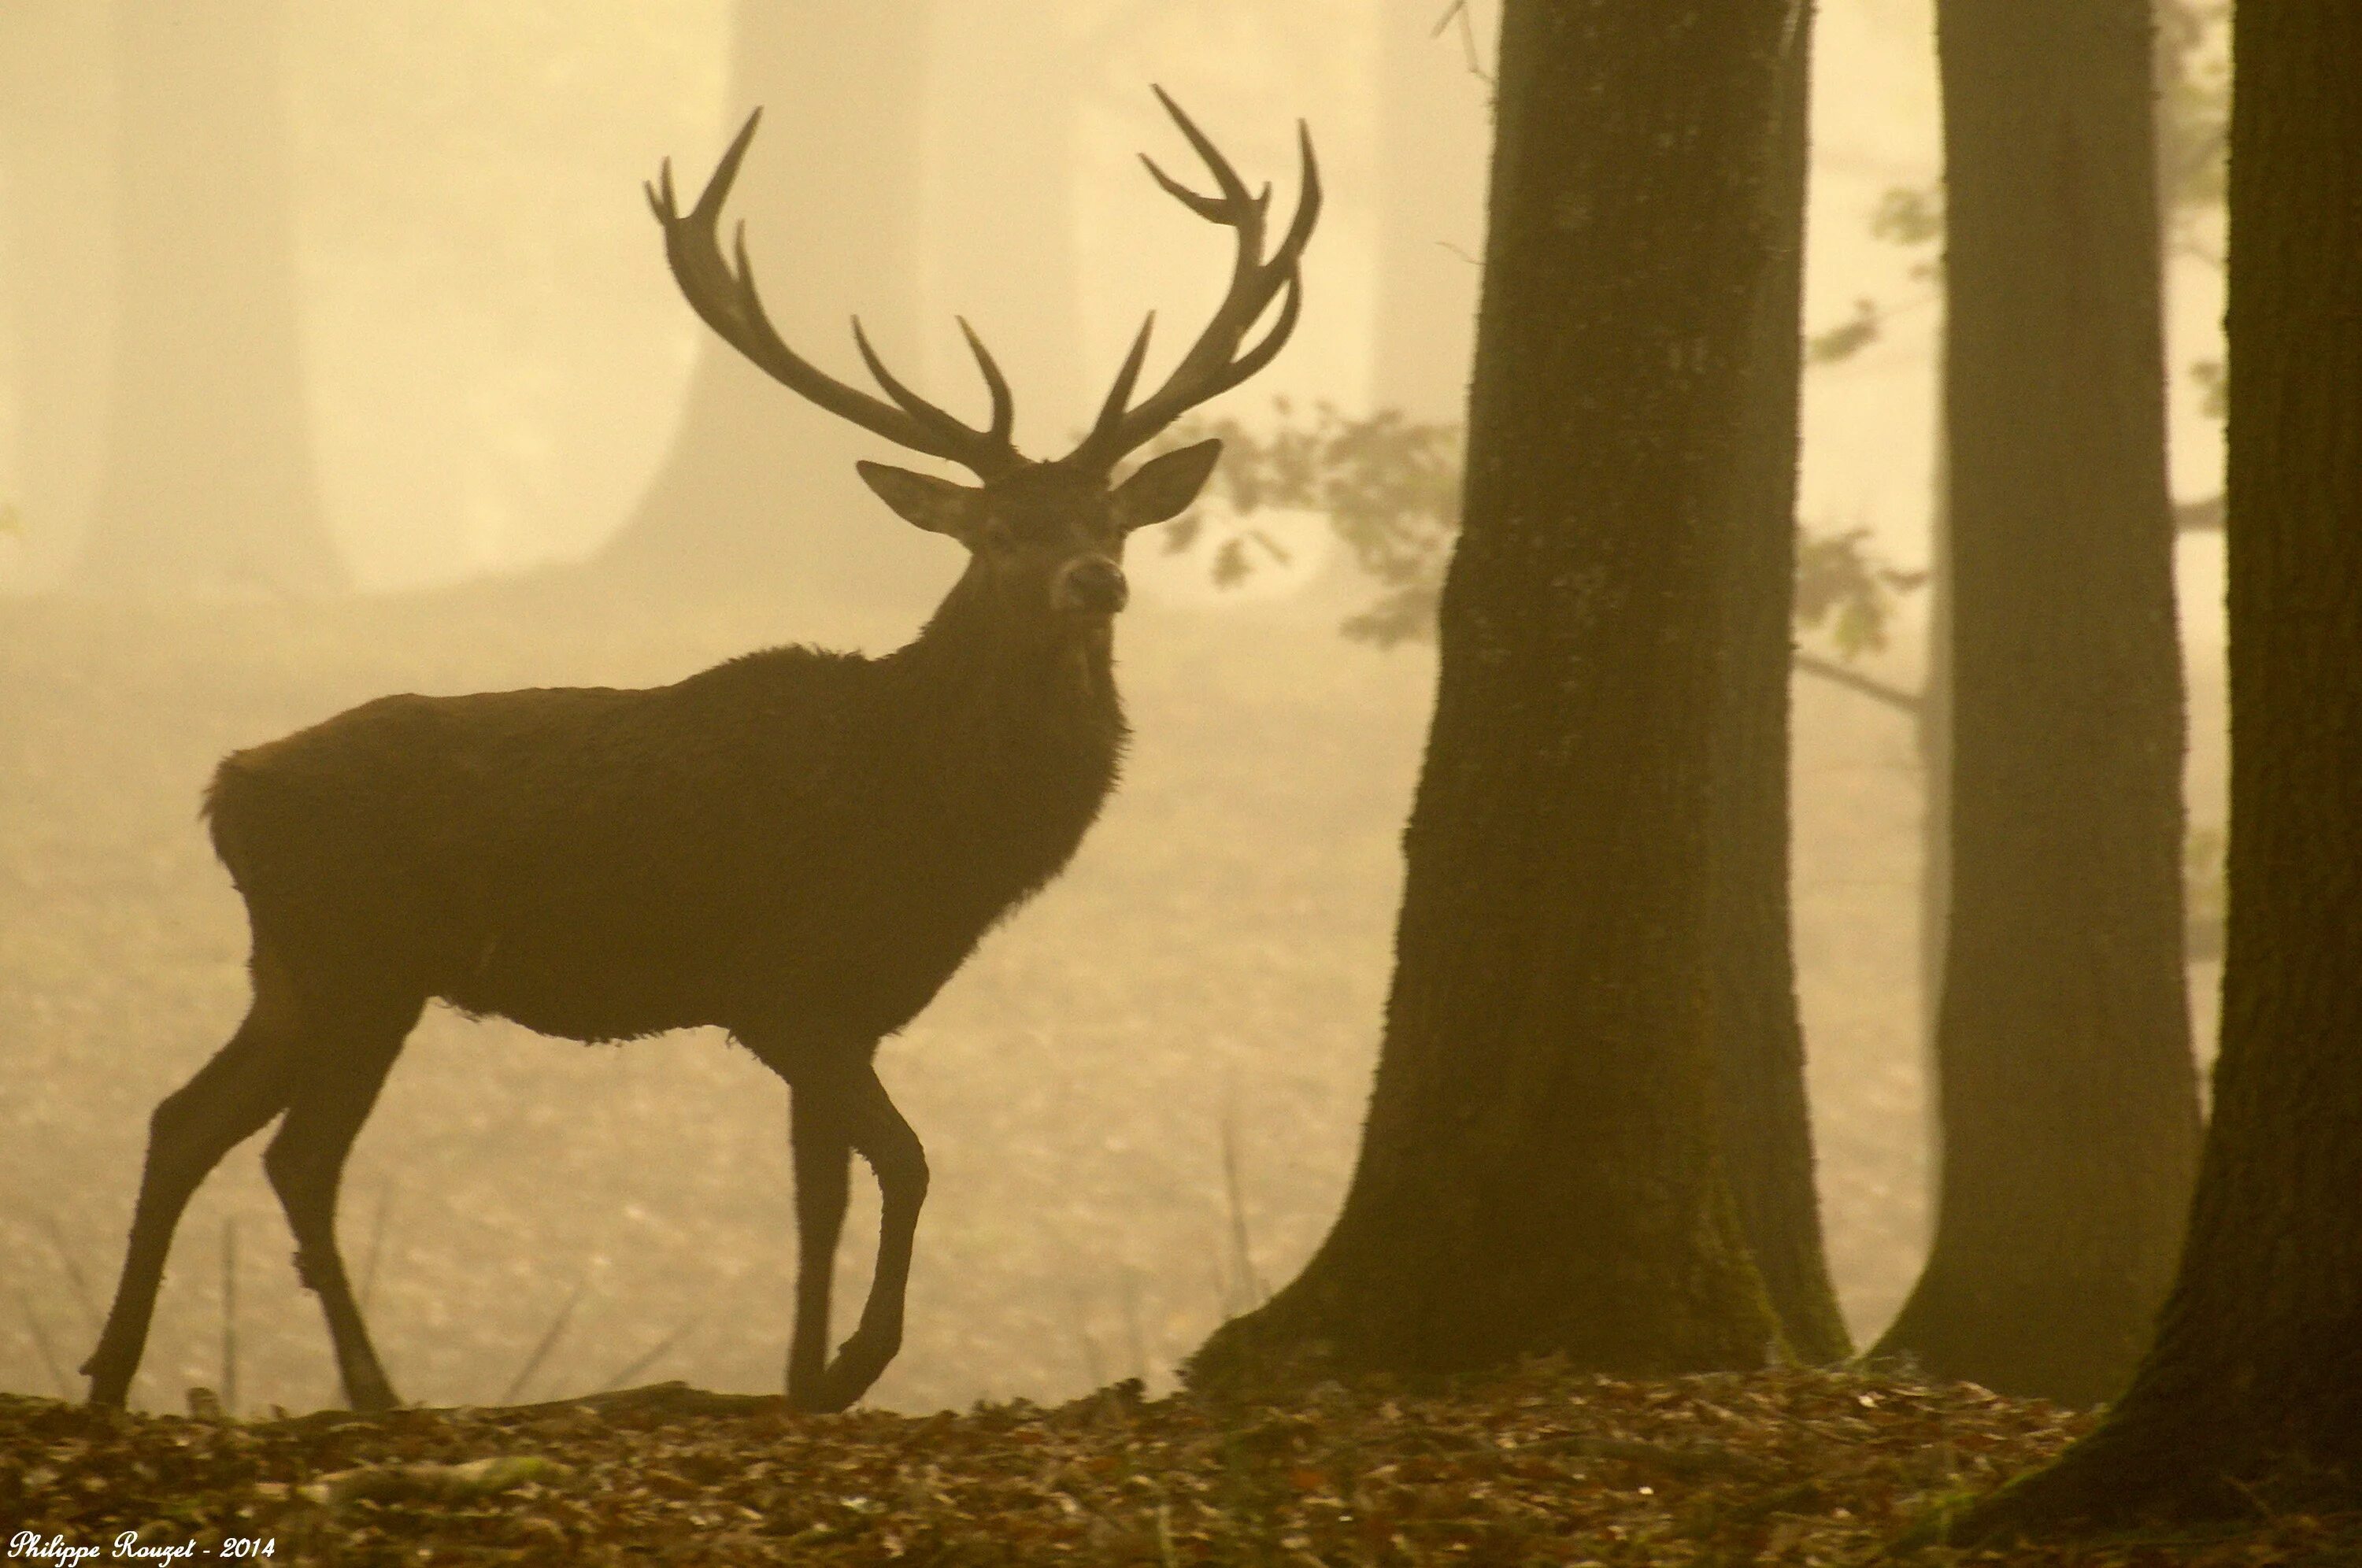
column 584, row 983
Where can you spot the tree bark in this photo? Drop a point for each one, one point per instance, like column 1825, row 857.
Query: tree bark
column 2253, row 1387
column 758, row 493
column 2068, row 1093
column 1540, row 1172
column 1765, row 1116
column 209, row 482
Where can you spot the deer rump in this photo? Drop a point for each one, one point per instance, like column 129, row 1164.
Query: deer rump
column 778, row 844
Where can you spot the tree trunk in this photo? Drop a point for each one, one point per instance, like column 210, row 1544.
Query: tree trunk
column 57, row 232
column 2252, row 1394
column 209, row 482
column 1434, row 121
column 2069, row 1099
column 1765, row 1121
column 1540, row 1171
column 758, row 493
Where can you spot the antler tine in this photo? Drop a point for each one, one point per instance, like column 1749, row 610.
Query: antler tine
column 1213, row 364
column 1120, row 394
column 725, row 298
column 914, row 405
column 1233, row 188
column 1004, row 408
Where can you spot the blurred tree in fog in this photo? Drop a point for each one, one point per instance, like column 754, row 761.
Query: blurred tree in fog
column 209, row 480
column 758, row 491
column 1541, row 1170
column 57, row 242
column 2065, row 1080
column 2250, row 1398
column 1001, row 83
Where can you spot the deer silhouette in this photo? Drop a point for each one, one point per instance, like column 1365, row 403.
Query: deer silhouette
column 797, row 845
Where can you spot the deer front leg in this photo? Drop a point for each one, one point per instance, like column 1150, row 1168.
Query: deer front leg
column 823, row 1155
column 853, row 1103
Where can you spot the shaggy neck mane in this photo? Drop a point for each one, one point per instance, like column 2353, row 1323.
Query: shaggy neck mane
column 1026, row 688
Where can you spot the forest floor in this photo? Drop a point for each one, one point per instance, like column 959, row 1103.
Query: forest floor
column 1545, row 1466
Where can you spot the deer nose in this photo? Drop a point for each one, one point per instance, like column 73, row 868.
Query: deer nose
column 1093, row 585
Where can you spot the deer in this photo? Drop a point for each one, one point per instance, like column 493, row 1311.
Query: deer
column 799, row 847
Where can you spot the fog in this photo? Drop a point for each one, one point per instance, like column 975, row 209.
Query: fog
column 419, row 321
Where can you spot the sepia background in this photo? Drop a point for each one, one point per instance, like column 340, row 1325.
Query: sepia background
column 325, row 323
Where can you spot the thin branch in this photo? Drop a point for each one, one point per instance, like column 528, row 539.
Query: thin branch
column 648, row 1358
column 1243, row 1252
column 2199, row 516
column 74, row 1280
column 41, row 1343
column 549, row 1338
column 376, row 1243
column 1458, row 11
column 229, row 1316
column 1877, row 690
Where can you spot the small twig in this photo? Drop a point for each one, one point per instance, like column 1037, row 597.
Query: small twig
column 1242, row 1251
column 1877, row 690
column 376, row 1243
column 1135, row 1337
column 549, row 1338
column 641, row 1363
column 74, row 1281
column 229, row 1316
column 1458, row 11
column 1094, row 1369
column 41, row 1343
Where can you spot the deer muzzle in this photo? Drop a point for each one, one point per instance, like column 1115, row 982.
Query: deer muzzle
column 1089, row 585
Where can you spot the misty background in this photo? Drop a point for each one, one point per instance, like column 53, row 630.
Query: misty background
column 1143, row 1097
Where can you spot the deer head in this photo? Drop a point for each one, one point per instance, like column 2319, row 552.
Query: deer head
column 1053, row 528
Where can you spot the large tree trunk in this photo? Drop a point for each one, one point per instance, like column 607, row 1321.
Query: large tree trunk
column 57, row 235
column 758, row 493
column 1434, row 121
column 2069, row 1098
column 1765, row 1121
column 2253, row 1389
column 1540, row 1172
column 209, row 483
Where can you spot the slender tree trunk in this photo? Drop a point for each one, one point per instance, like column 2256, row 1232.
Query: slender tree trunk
column 2253, row 1389
column 57, row 231
column 2069, row 1098
column 1540, row 1171
column 209, row 482
column 758, row 493
column 1765, row 1121
column 1434, row 123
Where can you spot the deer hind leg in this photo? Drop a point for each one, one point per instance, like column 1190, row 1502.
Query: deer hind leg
column 305, row 1163
column 852, row 1100
column 246, row 1083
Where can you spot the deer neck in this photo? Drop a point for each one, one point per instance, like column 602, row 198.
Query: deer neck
column 1024, row 685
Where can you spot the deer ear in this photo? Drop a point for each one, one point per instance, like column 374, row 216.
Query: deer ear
column 1164, row 486
column 938, row 505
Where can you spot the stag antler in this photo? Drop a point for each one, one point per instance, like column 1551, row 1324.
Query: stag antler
column 725, row 297
column 1213, row 364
